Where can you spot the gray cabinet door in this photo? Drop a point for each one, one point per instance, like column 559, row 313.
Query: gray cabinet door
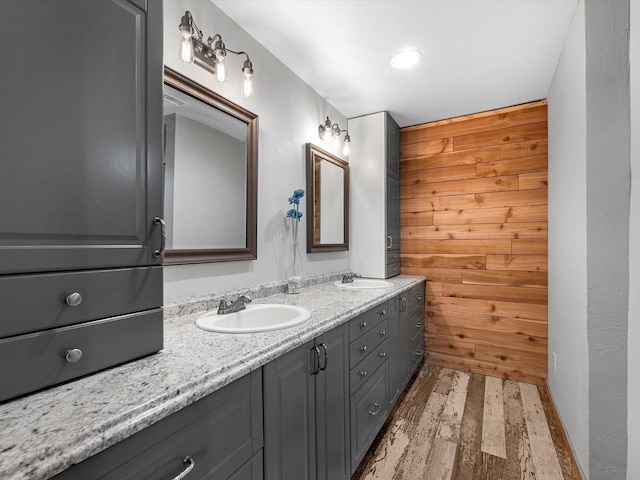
column 81, row 177
column 289, row 406
column 395, row 357
column 393, row 195
column 332, row 407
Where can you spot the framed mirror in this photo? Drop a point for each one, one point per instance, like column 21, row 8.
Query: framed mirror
column 327, row 201
column 210, row 175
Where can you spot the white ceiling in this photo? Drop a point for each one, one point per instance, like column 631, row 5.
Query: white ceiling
column 477, row 54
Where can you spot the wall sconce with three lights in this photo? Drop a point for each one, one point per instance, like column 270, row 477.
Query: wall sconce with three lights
column 331, row 132
column 210, row 55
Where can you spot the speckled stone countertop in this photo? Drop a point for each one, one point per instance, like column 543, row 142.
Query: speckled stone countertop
column 44, row 433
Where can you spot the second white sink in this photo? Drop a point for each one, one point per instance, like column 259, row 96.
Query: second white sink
column 364, row 283
column 256, row 318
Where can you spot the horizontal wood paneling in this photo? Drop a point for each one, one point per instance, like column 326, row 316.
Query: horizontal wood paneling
column 474, row 222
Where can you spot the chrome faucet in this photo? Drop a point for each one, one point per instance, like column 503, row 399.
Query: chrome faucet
column 238, row 304
column 348, row 278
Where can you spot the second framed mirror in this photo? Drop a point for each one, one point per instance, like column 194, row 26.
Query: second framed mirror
column 328, row 201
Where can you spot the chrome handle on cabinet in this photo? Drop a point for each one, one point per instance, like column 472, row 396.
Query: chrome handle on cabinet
column 190, row 465
column 382, row 313
column 363, row 325
column 377, row 411
column 383, row 355
column 418, row 325
column 363, row 349
column 419, row 353
column 163, row 236
column 419, row 297
column 324, row 366
column 382, row 333
column 389, row 242
column 363, row 373
column 73, row 355
column 404, row 304
column 73, row 299
column 316, row 363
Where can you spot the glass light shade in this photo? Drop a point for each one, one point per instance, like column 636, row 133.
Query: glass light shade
column 221, row 71
column 186, row 50
column 247, row 85
column 346, row 148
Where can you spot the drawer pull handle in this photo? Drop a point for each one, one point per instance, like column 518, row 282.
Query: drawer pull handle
column 73, row 299
column 190, row 465
column 418, row 325
column 382, row 313
column 363, row 349
column 73, row 355
column 383, row 355
column 419, row 297
column 389, row 242
column 363, row 325
column 163, row 239
column 419, row 353
column 383, row 333
column 363, row 373
column 324, row 348
column 375, row 412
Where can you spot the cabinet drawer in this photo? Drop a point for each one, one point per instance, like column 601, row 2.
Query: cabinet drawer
column 37, row 360
column 221, row 432
column 38, row 302
column 393, row 256
column 252, row 470
column 360, row 348
column 417, row 340
column 418, row 354
column 392, row 270
column 365, row 322
column 365, row 369
column 368, row 411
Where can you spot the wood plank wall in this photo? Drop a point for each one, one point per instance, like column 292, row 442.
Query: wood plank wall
column 474, row 222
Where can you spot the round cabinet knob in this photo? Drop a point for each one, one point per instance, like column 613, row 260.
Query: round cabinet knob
column 73, row 355
column 363, row 325
column 383, row 333
column 383, row 355
column 382, row 312
column 363, row 349
column 74, row 299
column 418, row 325
column 363, row 373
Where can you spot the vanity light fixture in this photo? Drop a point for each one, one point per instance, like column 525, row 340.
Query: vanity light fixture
column 210, row 55
column 331, row 132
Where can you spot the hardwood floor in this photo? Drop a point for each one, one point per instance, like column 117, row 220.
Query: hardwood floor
column 465, row 426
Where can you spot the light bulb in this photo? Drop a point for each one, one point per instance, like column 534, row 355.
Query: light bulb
column 186, row 50
column 221, row 70
column 247, row 85
column 346, row 149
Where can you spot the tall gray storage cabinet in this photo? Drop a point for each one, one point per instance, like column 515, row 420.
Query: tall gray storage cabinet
column 374, row 196
column 80, row 189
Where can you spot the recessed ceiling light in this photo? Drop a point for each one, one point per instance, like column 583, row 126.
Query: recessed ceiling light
column 405, row 59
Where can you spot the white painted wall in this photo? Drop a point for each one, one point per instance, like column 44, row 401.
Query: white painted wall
column 633, row 393
column 568, row 240
column 289, row 114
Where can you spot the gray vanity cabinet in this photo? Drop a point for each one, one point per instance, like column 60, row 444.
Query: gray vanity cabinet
column 81, row 186
column 221, row 434
column 369, row 377
column 406, row 338
column 306, row 411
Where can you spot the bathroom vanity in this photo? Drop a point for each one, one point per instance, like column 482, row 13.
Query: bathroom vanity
column 208, row 399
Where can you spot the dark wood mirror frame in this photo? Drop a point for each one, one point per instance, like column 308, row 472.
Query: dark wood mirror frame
column 315, row 154
column 250, row 251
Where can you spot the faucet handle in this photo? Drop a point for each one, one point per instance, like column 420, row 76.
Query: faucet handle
column 224, row 304
column 245, row 298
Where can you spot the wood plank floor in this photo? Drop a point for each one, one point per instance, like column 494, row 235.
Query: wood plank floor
column 465, row 426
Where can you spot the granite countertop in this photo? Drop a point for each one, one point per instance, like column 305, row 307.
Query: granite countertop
column 46, row 432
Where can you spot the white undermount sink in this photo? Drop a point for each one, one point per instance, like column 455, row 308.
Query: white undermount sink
column 256, row 318
column 364, row 283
